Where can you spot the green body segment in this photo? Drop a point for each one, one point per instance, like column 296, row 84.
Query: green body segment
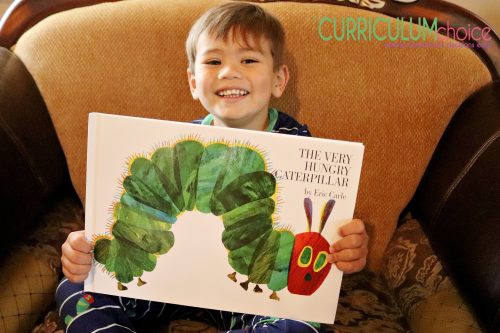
column 210, row 167
column 244, row 189
column 227, row 181
column 264, row 258
column 148, row 185
column 188, row 155
column 246, row 229
column 137, row 238
column 279, row 275
column 164, row 159
column 126, row 262
column 142, row 231
column 241, row 259
column 240, row 161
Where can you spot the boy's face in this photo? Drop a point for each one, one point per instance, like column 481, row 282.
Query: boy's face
column 234, row 81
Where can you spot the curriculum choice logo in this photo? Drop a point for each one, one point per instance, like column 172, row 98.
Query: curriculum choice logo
column 421, row 32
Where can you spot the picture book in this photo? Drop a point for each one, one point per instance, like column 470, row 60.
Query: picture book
column 218, row 218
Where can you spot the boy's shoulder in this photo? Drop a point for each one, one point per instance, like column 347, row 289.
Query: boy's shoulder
column 286, row 124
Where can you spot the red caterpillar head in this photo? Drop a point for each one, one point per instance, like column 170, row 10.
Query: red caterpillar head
column 309, row 266
column 89, row 298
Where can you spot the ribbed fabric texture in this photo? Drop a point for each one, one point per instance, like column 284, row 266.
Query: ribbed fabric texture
column 128, row 58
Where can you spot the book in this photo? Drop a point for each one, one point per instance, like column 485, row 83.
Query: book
column 218, row 218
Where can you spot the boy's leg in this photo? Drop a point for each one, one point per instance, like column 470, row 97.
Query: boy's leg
column 83, row 312
column 259, row 324
column 87, row 312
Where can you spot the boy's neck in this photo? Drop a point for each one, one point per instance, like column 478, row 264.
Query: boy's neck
column 267, row 125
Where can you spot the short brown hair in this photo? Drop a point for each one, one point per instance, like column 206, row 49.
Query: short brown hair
column 247, row 19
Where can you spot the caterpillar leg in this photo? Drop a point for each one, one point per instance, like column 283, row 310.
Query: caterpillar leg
column 257, row 289
column 140, row 282
column 232, row 276
column 274, row 296
column 244, row 285
column 121, row 286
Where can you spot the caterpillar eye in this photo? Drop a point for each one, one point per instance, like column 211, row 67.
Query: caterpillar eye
column 305, row 257
column 320, row 261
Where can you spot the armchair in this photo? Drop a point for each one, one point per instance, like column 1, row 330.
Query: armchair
column 428, row 114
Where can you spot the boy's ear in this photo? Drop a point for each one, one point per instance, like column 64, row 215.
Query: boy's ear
column 281, row 77
column 192, row 84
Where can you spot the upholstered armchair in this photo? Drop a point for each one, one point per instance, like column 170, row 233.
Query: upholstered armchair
column 427, row 110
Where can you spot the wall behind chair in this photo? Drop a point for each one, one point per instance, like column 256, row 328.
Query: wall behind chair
column 489, row 10
column 3, row 5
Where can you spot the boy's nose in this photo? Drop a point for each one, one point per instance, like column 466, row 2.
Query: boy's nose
column 229, row 71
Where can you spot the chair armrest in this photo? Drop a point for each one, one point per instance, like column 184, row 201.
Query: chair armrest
column 421, row 287
column 458, row 199
column 33, row 164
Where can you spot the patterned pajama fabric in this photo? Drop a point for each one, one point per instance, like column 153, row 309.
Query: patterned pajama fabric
column 91, row 312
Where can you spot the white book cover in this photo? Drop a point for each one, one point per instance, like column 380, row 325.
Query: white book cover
column 217, row 218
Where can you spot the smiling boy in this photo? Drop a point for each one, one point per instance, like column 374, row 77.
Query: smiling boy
column 234, row 78
column 235, row 53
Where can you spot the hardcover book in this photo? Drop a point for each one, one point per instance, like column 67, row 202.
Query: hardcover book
column 218, row 218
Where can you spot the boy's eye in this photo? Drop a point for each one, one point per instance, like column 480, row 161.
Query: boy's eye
column 249, row 61
column 212, row 62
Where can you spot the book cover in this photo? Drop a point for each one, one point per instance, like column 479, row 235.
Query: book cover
column 218, row 218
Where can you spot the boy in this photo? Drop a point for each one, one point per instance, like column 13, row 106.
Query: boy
column 235, row 54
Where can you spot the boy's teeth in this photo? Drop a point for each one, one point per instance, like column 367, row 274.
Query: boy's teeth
column 232, row 92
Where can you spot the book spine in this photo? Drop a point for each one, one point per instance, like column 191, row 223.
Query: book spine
column 90, row 219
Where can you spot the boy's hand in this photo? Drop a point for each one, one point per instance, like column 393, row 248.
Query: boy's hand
column 76, row 257
column 349, row 253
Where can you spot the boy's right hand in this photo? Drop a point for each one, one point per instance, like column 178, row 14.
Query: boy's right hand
column 76, row 256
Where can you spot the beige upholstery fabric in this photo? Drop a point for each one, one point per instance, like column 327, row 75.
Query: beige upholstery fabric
column 27, row 284
column 31, row 271
column 186, row 326
column 444, row 311
column 128, row 58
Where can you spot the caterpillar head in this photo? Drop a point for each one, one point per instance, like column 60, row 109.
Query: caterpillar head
column 309, row 266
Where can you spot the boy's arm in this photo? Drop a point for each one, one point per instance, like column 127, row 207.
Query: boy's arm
column 349, row 253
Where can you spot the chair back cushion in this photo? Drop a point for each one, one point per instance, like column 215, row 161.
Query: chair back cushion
column 128, row 58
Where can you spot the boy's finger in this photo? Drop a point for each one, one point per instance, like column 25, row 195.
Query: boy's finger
column 356, row 226
column 78, row 242
column 75, row 278
column 76, row 257
column 348, row 255
column 349, row 242
column 74, row 269
column 349, row 267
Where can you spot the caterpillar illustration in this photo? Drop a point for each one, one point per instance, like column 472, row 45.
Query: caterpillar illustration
column 82, row 305
column 226, row 180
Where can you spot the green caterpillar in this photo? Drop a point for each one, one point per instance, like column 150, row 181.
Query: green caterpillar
column 224, row 180
column 229, row 181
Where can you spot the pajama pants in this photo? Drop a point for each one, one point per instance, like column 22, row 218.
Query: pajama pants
column 82, row 312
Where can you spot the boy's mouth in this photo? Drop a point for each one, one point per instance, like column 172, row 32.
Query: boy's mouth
column 232, row 93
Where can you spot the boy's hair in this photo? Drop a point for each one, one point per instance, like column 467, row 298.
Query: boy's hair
column 246, row 19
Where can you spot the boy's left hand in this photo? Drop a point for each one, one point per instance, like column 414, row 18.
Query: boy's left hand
column 349, row 253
